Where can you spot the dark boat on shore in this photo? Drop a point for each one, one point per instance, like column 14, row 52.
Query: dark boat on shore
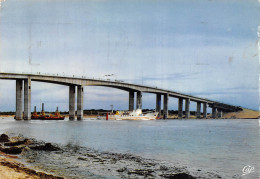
column 43, row 116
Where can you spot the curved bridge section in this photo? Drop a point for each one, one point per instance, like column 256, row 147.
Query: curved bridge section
column 23, row 85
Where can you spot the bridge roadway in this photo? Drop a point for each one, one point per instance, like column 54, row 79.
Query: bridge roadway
column 23, row 86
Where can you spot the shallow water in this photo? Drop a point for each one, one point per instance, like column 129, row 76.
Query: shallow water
column 220, row 146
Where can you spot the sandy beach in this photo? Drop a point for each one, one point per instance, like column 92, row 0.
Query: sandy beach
column 10, row 168
column 244, row 114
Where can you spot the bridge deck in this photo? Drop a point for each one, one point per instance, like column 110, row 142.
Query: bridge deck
column 68, row 81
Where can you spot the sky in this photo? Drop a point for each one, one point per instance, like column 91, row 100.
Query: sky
column 206, row 48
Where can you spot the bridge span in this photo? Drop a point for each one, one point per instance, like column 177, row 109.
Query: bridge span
column 23, row 88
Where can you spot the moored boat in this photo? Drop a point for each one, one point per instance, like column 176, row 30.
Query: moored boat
column 43, row 116
column 131, row 115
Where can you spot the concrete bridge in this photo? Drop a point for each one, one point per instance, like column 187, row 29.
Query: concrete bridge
column 23, row 85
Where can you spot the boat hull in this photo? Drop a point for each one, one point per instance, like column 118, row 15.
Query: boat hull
column 138, row 116
column 132, row 116
column 48, row 118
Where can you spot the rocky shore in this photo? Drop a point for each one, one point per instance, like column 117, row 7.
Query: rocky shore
column 10, row 167
column 72, row 161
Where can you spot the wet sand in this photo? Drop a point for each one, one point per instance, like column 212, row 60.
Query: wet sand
column 10, row 168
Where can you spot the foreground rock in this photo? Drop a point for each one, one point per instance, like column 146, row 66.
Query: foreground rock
column 17, row 144
column 45, row 147
column 14, row 145
column 178, row 176
column 4, row 138
column 22, row 142
column 80, row 162
column 12, row 150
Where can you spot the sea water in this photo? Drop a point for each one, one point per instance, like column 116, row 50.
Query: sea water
column 221, row 146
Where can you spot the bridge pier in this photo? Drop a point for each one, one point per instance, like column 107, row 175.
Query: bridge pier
column 198, row 110
column 27, row 99
column 180, row 107
column 131, row 100
column 214, row 112
column 187, row 108
column 158, row 103
column 80, row 96
column 220, row 114
column 72, row 102
column 139, row 100
column 165, row 105
column 205, row 110
column 19, row 97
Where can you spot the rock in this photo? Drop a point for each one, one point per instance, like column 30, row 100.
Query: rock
column 11, row 150
column 143, row 172
column 91, row 155
column 121, row 169
column 4, row 138
column 83, row 158
column 163, row 167
column 178, row 176
column 46, row 147
column 113, row 161
column 25, row 141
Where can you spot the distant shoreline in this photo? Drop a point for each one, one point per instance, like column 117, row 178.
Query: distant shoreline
column 244, row 114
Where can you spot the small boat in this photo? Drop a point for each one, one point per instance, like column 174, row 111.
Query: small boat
column 131, row 115
column 43, row 116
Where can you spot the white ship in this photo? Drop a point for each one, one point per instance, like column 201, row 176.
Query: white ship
column 131, row 115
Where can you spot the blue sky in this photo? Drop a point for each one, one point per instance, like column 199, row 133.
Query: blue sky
column 206, row 48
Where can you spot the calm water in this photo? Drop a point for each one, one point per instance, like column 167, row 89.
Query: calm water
column 221, row 146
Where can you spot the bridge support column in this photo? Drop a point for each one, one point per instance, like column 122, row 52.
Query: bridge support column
column 214, row 112
column 80, row 97
column 220, row 114
column 180, row 107
column 19, row 97
column 158, row 103
column 72, row 102
column 131, row 100
column 139, row 100
column 198, row 109
column 165, row 106
column 27, row 99
column 187, row 108
column 205, row 110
